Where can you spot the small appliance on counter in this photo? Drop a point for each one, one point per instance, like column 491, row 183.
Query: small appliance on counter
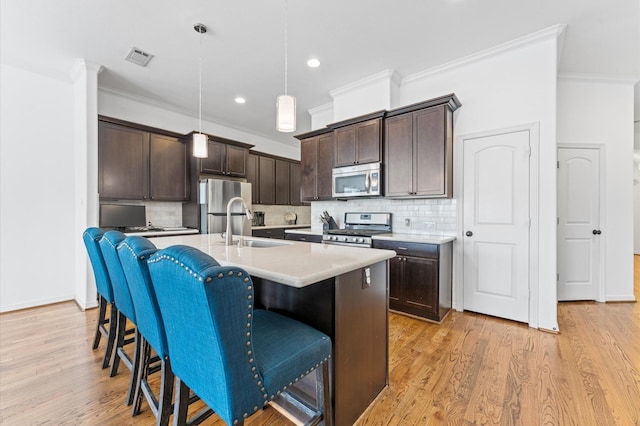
column 291, row 218
column 258, row 218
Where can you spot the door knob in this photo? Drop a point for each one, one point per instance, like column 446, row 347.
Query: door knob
column 596, row 232
column 468, row 233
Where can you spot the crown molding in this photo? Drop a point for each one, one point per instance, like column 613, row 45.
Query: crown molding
column 150, row 102
column 321, row 108
column 193, row 114
column 389, row 74
column 599, row 78
column 554, row 32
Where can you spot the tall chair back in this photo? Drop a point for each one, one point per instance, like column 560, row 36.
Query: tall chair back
column 91, row 238
column 133, row 253
column 108, row 244
column 234, row 358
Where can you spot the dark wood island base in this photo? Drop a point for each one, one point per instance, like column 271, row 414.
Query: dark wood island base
column 352, row 309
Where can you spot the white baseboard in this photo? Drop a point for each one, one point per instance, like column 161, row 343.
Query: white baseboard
column 35, row 303
column 621, row 298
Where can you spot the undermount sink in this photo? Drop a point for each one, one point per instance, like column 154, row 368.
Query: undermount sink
column 262, row 243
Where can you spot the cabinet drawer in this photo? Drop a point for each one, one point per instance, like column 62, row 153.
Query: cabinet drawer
column 303, row 237
column 409, row 249
column 269, row 233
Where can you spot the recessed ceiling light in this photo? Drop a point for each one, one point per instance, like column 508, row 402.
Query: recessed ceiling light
column 313, row 63
column 240, row 100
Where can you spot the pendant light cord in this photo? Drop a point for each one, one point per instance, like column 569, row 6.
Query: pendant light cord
column 200, row 84
column 286, row 62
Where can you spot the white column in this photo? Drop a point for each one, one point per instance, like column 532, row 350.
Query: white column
column 85, row 78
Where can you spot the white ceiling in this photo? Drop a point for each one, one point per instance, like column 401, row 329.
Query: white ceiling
column 243, row 52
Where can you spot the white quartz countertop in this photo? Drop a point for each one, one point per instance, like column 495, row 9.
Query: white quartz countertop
column 293, row 263
column 394, row 236
column 415, row 238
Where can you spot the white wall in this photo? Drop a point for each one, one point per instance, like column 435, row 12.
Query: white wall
column 510, row 88
column 115, row 105
column 373, row 93
column 38, row 161
column 636, row 181
column 36, row 189
column 601, row 112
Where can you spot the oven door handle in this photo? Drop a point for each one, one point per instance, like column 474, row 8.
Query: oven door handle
column 336, row 243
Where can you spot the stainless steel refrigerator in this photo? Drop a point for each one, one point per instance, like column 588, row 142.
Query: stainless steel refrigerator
column 214, row 194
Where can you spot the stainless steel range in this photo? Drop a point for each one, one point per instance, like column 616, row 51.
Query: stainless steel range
column 358, row 229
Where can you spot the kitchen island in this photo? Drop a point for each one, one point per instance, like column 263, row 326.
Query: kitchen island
column 341, row 291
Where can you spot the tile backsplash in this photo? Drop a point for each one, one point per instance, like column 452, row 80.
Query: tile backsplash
column 425, row 216
column 165, row 214
column 274, row 215
column 419, row 216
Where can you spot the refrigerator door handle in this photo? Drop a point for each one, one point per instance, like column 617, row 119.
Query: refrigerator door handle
column 203, row 192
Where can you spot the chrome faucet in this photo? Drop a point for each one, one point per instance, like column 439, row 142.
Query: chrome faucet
column 228, row 238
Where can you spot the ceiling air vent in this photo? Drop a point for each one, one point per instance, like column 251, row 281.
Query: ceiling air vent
column 138, row 57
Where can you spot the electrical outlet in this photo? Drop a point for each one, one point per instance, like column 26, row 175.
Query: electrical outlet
column 407, row 222
column 429, row 226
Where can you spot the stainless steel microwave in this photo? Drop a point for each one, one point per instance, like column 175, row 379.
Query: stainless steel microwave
column 362, row 180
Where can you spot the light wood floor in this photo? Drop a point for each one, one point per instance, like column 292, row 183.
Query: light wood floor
column 471, row 369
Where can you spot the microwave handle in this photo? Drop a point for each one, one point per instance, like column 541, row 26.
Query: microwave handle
column 368, row 182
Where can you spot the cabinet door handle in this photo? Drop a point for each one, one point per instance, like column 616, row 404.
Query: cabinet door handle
column 468, row 234
column 401, row 248
column 596, row 232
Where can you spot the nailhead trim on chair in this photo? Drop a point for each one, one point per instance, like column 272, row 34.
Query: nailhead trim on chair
column 256, row 377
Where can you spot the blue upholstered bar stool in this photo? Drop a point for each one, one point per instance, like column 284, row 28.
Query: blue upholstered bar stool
column 235, row 358
column 108, row 244
column 134, row 252
column 91, row 237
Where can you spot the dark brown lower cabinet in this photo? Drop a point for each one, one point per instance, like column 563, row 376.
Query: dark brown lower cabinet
column 269, row 233
column 308, row 238
column 419, row 278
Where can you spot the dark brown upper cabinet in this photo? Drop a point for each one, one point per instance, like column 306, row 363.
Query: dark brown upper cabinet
column 168, row 169
column 282, row 182
column 267, row 180
column 225, row 159
column 294, row 184
column 274, row 180
column 316, row 164
column 418, row 149
column 252, row 176
column 137, row 163
column 358, row 140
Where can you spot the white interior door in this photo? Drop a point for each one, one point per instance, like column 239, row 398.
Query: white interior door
column 578, row 223
column 496, row 225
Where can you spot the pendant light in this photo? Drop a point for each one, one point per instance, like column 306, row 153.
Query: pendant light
column 200, row 141
column 286, row 104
